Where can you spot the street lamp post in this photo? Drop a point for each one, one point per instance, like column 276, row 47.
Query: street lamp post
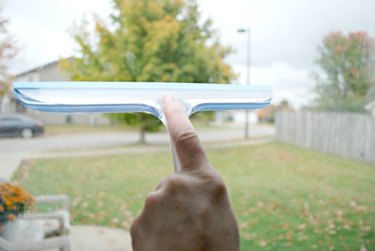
column 248, row 47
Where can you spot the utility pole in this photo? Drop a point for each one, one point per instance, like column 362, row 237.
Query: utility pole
column 248, row 48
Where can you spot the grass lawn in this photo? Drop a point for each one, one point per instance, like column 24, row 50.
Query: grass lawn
column 285, row 198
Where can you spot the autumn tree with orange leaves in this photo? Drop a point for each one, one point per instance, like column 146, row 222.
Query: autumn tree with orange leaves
column 347, row 79
column 8, row 51
column 150, row 41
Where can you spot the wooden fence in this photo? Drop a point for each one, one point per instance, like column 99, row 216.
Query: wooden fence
column 345, row 134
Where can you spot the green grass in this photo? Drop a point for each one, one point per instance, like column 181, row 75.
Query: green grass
column 285, row 198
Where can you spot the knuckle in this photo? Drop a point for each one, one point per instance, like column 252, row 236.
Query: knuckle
column 188, row 145
column 174, row 184
column 219, row 189
column 162, row 183
column 186, row 137
column 134, row 228
column 152, row 200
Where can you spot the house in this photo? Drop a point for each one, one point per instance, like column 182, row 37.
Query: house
column 370, row 107
column 48, row 72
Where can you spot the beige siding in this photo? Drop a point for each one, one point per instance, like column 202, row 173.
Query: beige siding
column 52, row 72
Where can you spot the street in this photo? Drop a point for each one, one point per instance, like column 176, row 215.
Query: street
column 14, row 150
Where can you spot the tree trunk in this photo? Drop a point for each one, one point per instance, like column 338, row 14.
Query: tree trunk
column 142, row 136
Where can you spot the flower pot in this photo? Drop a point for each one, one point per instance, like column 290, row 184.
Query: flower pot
column 23, row 230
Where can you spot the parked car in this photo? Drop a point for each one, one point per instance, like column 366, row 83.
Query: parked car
column 17, row 125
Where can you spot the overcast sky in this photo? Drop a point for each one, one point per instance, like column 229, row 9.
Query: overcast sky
column 284, row 34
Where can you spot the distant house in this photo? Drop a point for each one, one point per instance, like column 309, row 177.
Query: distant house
column 236, row 117
column 5, row 104
column 47, row 72
column 370, row 107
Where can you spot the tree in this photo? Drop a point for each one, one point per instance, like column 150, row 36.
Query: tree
column 348, row 64
column 284, row 105
column 8, row 51
column 148, row 41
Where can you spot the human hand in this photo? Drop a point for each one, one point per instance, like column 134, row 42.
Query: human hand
column 189, row 210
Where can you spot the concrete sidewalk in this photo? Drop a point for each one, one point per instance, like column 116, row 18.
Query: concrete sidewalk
column 8, row 166
column 97, row 238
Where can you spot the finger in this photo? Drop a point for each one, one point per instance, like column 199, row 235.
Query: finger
column 162, row 183
column 190, row 152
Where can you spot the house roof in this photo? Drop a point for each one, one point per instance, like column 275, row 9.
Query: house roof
column 40, row 68
column 37, row 69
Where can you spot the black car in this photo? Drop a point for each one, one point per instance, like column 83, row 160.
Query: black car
column 19, row 126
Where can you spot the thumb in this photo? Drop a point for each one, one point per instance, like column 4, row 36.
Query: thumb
column 190, row 152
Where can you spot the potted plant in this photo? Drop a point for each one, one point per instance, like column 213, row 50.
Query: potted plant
column 14, row 201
